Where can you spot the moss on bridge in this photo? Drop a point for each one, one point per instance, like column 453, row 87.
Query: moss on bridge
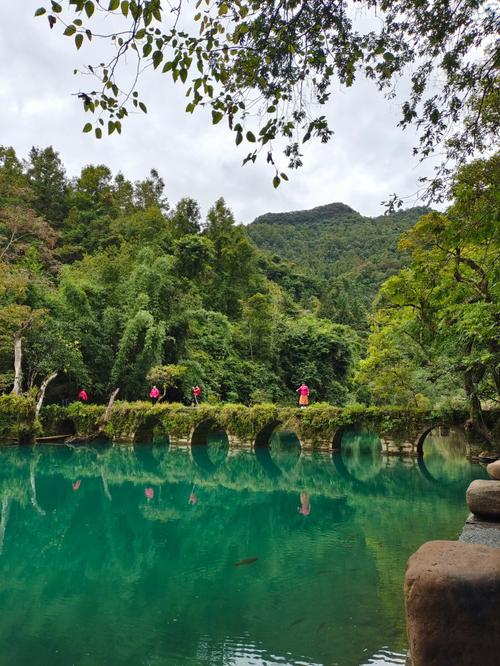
column 318, row 426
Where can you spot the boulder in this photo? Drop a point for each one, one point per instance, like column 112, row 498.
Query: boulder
column 483, row 498
column 493, row 470
column 452, row 598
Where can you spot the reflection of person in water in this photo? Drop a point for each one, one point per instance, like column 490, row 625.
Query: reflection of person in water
column 305, row 504
column 150, row 493
column 193, row 497
column 76, row 485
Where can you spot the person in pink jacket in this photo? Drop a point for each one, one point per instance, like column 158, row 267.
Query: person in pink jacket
column 154, row 394
column 303, row 392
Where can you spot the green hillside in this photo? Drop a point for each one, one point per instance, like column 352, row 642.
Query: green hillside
column 350, row 253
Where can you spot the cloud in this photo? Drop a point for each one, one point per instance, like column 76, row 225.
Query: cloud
column 367, row 159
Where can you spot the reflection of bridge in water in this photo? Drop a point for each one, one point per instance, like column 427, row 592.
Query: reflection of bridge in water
column 359, row 466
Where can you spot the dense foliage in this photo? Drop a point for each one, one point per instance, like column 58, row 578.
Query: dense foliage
column 437, row 323
column 105, row 284
column 243, row 58
column 349, row 255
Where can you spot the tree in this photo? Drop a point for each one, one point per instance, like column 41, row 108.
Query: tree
column 47, row 179
column 446, row 305
column 149, row 193
column 319, row 353
column 186, row 217
column 168, row 377
column 234, row 262
column 280, row 55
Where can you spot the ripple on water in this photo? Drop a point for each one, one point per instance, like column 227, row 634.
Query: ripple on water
column 386, row 656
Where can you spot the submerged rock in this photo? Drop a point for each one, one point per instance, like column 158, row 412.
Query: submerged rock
column 483, row 498
column 452, row 597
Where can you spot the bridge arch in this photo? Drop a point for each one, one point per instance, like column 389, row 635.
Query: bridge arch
column 200, row 445
column 444, row 455
column 264, row 450
column 357, row 453
column 151, row 431
column 444, row 431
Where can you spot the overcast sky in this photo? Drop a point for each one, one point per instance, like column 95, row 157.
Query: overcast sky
column 368, row 158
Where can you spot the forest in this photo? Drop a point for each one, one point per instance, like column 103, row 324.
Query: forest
column 105, row 284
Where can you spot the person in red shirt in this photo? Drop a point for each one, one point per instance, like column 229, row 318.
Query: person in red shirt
column 154, row 394
column 196, row 393
column 83, row 395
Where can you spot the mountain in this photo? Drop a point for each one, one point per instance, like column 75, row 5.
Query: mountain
column 351, row 253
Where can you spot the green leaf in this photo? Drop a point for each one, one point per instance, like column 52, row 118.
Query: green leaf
column 143, row 107
column 251, row 137
column 98, row 133
column 56, row 8
column 87, row 128
column 89, row 8
column 276, row 181
column 113, row 4
column 78, row 40
column 217, row 116
column 70, row 30
column 124, row 7
column 40, row 11
column 239, row 138
column 157, row 58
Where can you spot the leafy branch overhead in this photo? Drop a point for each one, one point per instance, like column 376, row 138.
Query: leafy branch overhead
column 273, row 64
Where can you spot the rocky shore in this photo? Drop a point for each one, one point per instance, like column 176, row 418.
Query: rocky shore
column 452, row 588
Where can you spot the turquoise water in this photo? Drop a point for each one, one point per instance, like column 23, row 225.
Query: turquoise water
column 155, row 555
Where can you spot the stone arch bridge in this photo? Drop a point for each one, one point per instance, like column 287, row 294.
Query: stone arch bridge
column 321, row 427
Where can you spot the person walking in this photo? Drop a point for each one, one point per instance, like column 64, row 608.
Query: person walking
column 154, row 394
column 303, row 392
column 196, row 394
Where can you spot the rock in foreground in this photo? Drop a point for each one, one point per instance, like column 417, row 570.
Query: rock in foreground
column 483, row 498
column 452, row 597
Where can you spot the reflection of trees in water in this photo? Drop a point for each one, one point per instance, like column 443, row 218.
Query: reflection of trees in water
column 217, row 447
column 127, row 556
column 284, row 449
column 445, row 455
column 361, row 454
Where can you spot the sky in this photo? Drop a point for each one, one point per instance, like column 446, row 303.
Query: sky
column 367, row 160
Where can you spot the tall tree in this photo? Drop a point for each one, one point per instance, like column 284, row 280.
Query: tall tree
column 47, row 179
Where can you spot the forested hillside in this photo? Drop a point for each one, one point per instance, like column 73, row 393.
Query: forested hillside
column 104, row 284
column 107, row 284
column 351, row 254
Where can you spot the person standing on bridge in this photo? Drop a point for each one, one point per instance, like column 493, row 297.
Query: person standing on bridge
column 303, row 392
column 154, row 394
column 196, row 394
column 82, row 396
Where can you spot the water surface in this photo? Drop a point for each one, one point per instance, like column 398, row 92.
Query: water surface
column 155, row 555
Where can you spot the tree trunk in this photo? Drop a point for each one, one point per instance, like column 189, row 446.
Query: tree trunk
column 476, row 422
column 112, row 399
column 43, row 388
column 18, row 374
